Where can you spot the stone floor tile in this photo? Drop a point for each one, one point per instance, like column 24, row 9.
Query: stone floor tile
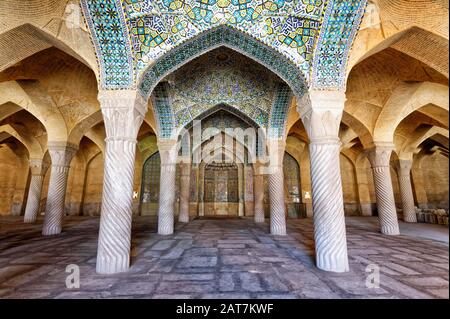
column 233, row 258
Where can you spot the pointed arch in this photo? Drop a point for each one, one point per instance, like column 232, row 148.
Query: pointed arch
column 28, row 96
column 407, row 98
column 221, row 36
column 27, row 39
column 415, row 42
column 30, row 142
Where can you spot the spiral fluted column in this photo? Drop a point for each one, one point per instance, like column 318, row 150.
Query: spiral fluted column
column 321, row 117
column 185, row 179
column 38, row 169
column 276, row 188
column 61, row 155
column 404, row 180
column 168, row 152
column 258, row 194
column 379, row 158
column 123, row 113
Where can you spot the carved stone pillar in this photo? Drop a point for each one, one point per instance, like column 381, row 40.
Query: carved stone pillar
column 363, row 188
column 123, row 113
column 61, row 154
column 276, row 187
column 321, row 117
column 418, row 181
column 168, row 151
column 379, row 158
column 38, row 169
column 258, row 193
column 404, row 180
column 185, row 179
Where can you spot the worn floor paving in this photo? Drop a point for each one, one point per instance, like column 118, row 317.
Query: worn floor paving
column 233, row 258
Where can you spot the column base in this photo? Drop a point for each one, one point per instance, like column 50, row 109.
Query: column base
column 183, row 219
column 165, row 232
column 391, row 231
column 114, row 265
column 259, row 219
column 278, row 231
column 309, row 210
column 366, row 209
column 410, row 218
column 338, row 266
column 50, row 231
column 29, row 220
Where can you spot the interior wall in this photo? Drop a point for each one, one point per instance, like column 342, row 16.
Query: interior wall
column 349, row 186
column 92, row 197
column 44, row 192
column 396, row 187
column 292, row 186
column 8, row 177
column 436, row 179
column 75, row 185
column 21, row 186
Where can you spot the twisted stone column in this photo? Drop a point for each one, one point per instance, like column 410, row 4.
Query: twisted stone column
column 322, row 118
column 276, row 188
column 185, row 179
column 61, row 155
column 404, row 180
column 363, row 186
column 168, row 151
column 258, row 194
column 379, row 158
column 38, row 169
column 418, row 181
column 123, row 113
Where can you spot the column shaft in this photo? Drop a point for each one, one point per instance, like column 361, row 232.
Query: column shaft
column 258, row 194
column 277, row 206
column 185, row 178
column 328, row 205
column 34, row 198
column 168, row 152
column 114, row 241
column 387, row 213
column 322, row 117
column 123, row 113
column 61, row 155
column 404, row 179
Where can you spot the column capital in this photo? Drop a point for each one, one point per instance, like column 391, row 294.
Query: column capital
column 123, row 113
column 123, row 99
column 321, row 113
column 61, row 153
column 327, row 100
column 259, row 166
column 404, row 166
column 38, row 166
column 276, row 148
column 379, row 154
column 168, row 150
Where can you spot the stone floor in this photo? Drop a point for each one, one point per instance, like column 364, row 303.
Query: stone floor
column 218, row 259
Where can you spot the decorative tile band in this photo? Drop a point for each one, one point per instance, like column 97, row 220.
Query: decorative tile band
column 110, row 37
column 279, row 111
column 342, row 21
column 163, row 109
